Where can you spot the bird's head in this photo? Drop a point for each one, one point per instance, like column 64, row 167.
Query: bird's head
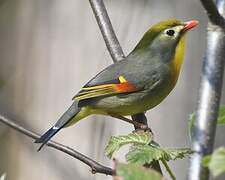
column 165, row 35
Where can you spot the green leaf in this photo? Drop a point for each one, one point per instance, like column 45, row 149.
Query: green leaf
column 192, row 119
column 3, row 177
column 215, row 162
column 178, row 153
column 134, row 172
column 115, row 143
column 146, row 154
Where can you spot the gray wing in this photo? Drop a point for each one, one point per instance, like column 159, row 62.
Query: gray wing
column 138, row 75
column 109, row 75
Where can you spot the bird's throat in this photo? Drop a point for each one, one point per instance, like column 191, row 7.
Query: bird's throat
column 178, row 60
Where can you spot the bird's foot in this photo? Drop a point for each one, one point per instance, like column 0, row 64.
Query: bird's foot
column 144, row 127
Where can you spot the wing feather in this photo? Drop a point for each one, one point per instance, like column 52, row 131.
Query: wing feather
column 105, row 89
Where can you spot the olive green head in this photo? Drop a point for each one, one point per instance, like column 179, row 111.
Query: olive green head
column 165, row 34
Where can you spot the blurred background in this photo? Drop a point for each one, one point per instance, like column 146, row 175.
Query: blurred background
column 49, row 49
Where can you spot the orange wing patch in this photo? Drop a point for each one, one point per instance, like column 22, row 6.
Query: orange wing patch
column 106, row 89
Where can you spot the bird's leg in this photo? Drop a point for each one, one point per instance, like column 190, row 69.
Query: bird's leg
column 137, row 124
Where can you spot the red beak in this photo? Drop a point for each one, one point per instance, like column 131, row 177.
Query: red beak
column 189, row 25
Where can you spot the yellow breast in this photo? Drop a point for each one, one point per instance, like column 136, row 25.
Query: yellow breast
column 178, row 60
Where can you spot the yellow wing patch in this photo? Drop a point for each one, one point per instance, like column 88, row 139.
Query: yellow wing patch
column 105, row 89
column 122, row 79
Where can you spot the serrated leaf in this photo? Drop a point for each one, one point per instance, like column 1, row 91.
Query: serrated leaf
column 135, row 172
column 3, row 177
column 215, row 162
column 146, row 154
column 115, row 143
column 178, row 153
column 143, row 154
column 192, row 119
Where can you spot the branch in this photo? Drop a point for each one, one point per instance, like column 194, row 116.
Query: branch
column 95, row 166
column 210, row 91
column 116, row 52
column 213, row 13
column 107, row 31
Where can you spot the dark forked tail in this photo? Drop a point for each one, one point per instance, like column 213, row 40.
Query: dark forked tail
column 62, row 122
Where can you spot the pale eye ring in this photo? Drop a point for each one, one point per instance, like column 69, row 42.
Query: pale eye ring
column 170, row 32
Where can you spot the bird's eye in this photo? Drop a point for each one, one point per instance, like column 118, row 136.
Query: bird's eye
column 170, row 32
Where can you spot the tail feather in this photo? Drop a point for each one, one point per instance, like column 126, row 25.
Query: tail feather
column 47, row 136
column 62, row 122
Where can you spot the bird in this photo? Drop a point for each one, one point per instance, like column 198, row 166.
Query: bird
column 136, row 84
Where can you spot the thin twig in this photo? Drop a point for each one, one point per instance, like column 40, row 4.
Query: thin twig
column 107, row 31
column 169, row 170
column 95, row 166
